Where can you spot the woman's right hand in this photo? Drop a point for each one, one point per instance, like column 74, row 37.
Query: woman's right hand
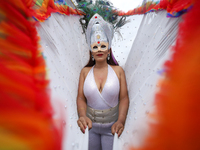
column 83, row 122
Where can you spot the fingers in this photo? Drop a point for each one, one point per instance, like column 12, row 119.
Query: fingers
column 120, row 131
column 89, row 123
column 83, row 121
column 113, row 129
column 80, row 124
column 117, row 128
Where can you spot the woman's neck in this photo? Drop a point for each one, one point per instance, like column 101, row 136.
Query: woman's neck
column 101, row 64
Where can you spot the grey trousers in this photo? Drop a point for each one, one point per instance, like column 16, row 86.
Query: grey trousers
column 101, row 137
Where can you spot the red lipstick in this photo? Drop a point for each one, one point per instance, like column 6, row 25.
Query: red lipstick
column 99, row 54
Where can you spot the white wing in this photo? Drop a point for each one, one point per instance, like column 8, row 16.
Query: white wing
column 143, row 68
column 66, row 53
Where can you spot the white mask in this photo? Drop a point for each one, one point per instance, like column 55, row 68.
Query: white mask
column 101, row 46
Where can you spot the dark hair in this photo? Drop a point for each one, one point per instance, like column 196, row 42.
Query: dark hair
column 111, row 61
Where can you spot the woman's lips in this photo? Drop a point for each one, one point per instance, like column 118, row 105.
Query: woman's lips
column 99, row 54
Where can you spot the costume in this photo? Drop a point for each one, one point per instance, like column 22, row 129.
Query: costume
column 102, row 107
column 108, row 97
column 100, row 134
column 141, row 71
column 138, row 73
column 67, row 53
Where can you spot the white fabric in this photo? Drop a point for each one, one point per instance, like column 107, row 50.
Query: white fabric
column 84, row 140
column 143, row 69
column 116, row 143
column 109, row 96
column 66, row 52
column 123, row 41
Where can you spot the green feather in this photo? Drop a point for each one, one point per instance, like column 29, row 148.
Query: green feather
column 39, row 2
column 104, row 8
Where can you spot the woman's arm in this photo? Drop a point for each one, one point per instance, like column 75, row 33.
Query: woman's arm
column 118, row 127
column 81, row 101
column 123, row 98
column 83, row 120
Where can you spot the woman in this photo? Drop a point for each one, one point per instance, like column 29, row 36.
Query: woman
column 102, row 100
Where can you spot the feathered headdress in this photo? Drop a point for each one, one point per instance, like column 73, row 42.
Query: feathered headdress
column 106, row 11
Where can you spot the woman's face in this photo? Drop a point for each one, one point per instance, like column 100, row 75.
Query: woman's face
column 100, row 51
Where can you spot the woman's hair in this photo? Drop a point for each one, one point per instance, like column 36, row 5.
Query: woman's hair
column 111, row 61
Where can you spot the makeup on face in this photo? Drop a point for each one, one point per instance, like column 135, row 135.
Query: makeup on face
column 100, row 46
column 99, row 55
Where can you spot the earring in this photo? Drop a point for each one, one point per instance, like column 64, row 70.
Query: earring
column 108, row 57
column 92, row 58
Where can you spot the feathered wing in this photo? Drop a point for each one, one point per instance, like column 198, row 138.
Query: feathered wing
column 66, row 53
column 143, row 68
column 25, row 111
column 177, row 102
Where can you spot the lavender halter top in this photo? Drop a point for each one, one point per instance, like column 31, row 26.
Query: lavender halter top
column 109, row 97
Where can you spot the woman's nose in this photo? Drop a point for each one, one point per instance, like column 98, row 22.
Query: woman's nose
column 99, row 48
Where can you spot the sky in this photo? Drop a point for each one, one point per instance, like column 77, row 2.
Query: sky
column 126, row 5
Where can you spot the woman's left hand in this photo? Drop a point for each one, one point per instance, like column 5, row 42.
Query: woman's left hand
column 118, row 128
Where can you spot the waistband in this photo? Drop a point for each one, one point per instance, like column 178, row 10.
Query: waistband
column 103, row 116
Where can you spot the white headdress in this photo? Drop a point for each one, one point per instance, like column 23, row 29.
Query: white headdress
column 100, row 21
column 99, row 30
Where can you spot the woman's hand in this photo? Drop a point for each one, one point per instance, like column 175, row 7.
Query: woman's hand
column 118, row 128
column 83, row 122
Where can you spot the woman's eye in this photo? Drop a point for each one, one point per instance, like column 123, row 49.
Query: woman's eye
column 103, row 46
column 95, row 47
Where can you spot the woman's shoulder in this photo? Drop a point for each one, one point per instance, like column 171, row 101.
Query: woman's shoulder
column 85, row 71
column 118, row 69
